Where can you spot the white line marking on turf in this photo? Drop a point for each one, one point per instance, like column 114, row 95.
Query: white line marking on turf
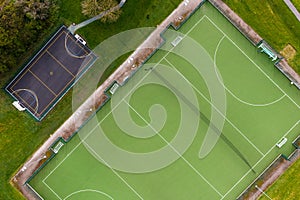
column 229, row 91
column 89, row 190
column 200, row 93
column 274, row 160
column 52, row 190
column 186, row 161
column 114, row 171
column 34, row 191
column 263, row 192
column 133, row 88
column 259, row 161
column 259, row 68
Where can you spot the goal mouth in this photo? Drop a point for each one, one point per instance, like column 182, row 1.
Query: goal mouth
column 28, row 98
column 57, row 146
column 176, row 41
column 71, row 46
column 267, row 50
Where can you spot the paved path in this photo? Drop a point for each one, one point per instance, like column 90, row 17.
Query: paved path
column 73, row 28
column 292, row 8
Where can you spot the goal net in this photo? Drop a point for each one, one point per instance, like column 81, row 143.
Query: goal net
column 114, row 88
column 176, row 41
column 57, row 147
column 268, row 50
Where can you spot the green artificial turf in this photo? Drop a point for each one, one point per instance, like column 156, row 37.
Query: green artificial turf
column 20, row 133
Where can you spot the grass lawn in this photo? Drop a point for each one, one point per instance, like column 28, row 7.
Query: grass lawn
column 20, row 133
column 134, row 15
column 274, row 22
column 287, row 186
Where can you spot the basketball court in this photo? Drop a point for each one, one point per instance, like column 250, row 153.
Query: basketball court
column 51, row 73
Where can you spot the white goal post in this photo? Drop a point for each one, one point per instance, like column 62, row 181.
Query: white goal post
column 176, row 41
column 268, row 51
column 57, row 147
column 114, row 88
column 281, row 142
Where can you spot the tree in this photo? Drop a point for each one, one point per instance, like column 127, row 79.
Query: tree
column 22, row 22
column 34, row 9
column 89, row 8
column 92, row 8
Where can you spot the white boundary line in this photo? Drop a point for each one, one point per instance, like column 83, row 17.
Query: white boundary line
column 259, row 175
column 259, row 68
column 114, row 171
column 187, row 162
column 89, row 190
column 28, row 185
column 202, row 95
column 259, row 189
column 259, row 160
column 52, row 190
column 91, row 131
column 229, row 91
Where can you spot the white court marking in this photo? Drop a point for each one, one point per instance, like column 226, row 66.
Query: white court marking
column 259, row 68
column 89, row 190
column 52, row 190
column 34, row 191
column 208, row 101
column 258, row 161
column 114, row 171
column 230, row 92
column 187, row 162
